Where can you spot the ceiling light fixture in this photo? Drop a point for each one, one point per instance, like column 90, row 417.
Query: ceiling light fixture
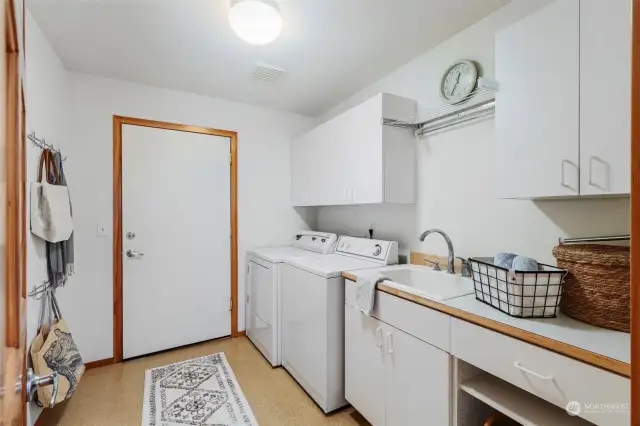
column 255, row 21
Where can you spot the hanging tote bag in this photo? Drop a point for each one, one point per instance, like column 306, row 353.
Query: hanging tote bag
column 53, row 349
column 50, row 205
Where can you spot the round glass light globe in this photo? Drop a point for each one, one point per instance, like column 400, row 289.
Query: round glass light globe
column 255, row 21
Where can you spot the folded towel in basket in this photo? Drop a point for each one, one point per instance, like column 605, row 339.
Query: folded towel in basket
column 504, row 260
column 515, row 262
column 366, row 290
column 523, row 263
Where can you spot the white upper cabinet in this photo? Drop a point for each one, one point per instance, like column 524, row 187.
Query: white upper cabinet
column 605, row 97
column 537, row 106
column 354, row 159
column 563, row 107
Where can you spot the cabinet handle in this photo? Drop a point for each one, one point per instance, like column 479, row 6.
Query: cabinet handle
column 531, row 372
column 591, row 182
column 389, row 343
column 379, row 337
column 562, row 174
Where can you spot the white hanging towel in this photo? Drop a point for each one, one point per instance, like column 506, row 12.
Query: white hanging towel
column 366, row 290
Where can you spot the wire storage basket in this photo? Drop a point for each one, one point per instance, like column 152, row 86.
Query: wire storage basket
column 520, row 294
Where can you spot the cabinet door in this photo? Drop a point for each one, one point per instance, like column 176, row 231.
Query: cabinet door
column 418, row 384
column 362, row 134
column 313, row 169
column 605, row 102
column 300, row 170
column 537, row 106
column 364, row 366
column 337, row 154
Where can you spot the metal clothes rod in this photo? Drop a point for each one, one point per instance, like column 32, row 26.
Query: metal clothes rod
column 42, row 144
column 482, row 111
column 445, row 118
column 488, row 103
column 594, row 239
column 399, row 123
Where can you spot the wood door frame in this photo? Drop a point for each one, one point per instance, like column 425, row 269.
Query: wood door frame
column 13, row 346
column 635, row 215
column 118, row 122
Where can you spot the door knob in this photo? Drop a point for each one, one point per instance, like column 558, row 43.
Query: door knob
column 133, row 253
column 34, row 382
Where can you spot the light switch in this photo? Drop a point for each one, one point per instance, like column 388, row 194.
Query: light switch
column 101, row 230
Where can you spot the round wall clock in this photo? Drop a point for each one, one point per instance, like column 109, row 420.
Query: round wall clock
column 458, row 82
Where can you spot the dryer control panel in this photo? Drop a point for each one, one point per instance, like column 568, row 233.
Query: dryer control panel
column 379, row 251
column 320, row 242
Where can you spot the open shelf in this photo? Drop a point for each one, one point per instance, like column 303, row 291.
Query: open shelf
column 517, row 404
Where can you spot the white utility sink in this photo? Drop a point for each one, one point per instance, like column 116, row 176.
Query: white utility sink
column 425, row 282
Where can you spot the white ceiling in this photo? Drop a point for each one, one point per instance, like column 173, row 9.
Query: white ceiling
column 330, row 48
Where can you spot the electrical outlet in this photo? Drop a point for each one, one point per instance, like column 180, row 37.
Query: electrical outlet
column 101, row 230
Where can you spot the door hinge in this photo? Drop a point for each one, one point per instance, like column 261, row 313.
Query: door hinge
column 231, row 304
column 230, row 159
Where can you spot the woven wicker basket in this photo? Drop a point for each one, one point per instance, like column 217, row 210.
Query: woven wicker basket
column 596, row 289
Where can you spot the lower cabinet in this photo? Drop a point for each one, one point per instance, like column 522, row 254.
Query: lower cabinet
column 364, row 378
column 393, row 378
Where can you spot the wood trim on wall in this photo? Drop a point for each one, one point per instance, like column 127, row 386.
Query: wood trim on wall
column 635, row 216
column 99, row 363
column 118, row 121
column 14, row 153
column 13, row 345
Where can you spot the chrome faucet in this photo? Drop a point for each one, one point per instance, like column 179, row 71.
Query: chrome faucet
column 450, row 264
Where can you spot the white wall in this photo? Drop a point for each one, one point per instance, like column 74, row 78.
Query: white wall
column 265, row 215
column 45, row 89
column 455, row 179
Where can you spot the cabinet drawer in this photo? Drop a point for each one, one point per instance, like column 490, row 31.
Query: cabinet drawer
column 426, row 324
column 552, row 377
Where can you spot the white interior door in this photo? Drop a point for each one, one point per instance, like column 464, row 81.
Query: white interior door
column 176, row 200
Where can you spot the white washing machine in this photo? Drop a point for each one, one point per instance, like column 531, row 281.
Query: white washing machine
column 263, row 287
column 313, row 314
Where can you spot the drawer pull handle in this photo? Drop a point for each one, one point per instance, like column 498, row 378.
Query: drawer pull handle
column 389, row 343
column 379, row 337
column 531, row 372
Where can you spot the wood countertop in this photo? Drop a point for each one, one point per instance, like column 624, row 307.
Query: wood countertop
column 467, row 308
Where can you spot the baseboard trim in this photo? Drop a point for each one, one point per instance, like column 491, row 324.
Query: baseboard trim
column 99, row 363
column 109, row 361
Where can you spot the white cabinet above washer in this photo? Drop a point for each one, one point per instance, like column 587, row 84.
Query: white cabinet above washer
column 354, row 159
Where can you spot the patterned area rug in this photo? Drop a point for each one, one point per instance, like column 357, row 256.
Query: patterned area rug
column 201, row 391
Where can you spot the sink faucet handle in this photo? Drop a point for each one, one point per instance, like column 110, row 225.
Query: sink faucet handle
column 466, row 267
column 436, row 265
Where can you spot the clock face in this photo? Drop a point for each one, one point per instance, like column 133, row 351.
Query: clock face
column 458, row 82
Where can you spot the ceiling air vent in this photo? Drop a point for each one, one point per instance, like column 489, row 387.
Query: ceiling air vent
column 268, row 72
